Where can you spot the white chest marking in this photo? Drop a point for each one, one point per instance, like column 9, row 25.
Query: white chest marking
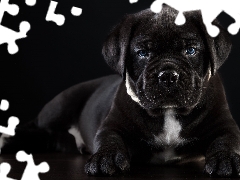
column 171, row 130
column 169, row 139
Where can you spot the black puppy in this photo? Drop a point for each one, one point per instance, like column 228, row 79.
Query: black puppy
column 168, row 106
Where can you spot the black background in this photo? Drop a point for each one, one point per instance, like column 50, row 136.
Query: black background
column 53, row 58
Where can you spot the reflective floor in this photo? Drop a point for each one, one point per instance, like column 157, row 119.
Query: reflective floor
column 71, row 167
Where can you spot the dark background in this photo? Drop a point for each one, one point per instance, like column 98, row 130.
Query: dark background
column 53, row 58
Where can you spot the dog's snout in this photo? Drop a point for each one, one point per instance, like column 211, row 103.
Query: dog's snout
column 168, row 78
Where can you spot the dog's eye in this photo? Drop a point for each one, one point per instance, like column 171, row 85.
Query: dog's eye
column 143, row 53
column 191, row 51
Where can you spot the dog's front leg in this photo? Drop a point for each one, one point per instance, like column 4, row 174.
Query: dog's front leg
column 111, row 155
column 222, row 157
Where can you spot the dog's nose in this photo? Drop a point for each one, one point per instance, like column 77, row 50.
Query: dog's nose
column 168, row 77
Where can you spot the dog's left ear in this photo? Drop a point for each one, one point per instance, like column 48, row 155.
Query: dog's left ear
column 115, row 48
column 219, row 47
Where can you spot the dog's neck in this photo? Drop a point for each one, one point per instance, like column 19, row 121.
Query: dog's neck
column 130, row 92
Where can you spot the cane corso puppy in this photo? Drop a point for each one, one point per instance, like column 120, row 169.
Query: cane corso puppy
column 167, row 106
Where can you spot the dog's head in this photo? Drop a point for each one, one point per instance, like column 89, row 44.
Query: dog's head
column 165, row 65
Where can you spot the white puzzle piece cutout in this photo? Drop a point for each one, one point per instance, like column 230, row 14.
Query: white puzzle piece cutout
column 4, row 105
column 12, row 123
column 12, row 9
column 7, row 35
column 10, row 130
column 76, row 11
column 210, row 10
column 4, row 170
column 51, row 16
column 31, row 171
column 30, row 2
column 133, row 1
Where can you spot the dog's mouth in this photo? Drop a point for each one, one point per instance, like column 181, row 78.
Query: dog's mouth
column 169, row 88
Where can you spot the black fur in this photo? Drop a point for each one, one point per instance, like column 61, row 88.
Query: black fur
column 118, row 131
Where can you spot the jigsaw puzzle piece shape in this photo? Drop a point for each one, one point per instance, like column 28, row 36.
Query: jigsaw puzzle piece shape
column 10, row 130
column 4, row 170
column 208, row 17
column 12, row 9
column 234, row 28
column 9, row 36
column 51, row 16
column 178, row 5
column 31, row 171
column 181, row 6
column 208, row 13
column 232, row 8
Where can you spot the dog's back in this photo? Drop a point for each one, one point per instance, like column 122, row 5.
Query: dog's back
column 82, row 105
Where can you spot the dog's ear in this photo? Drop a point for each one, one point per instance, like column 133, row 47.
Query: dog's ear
column 219, row 47
column 115, row 48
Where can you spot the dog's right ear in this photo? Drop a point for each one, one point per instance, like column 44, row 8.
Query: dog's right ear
column 220, row 48
column 115, row 48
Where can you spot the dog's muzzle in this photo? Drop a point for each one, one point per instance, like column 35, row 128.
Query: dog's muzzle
column 168, row 83
column 168, row 78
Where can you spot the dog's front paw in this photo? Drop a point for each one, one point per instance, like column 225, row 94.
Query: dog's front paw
column 107, row 163
column 223, row 164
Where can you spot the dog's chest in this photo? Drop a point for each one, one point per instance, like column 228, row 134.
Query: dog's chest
column 168, row 139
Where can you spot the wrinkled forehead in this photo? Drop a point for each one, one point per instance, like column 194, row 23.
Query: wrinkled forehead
column 162, row 25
